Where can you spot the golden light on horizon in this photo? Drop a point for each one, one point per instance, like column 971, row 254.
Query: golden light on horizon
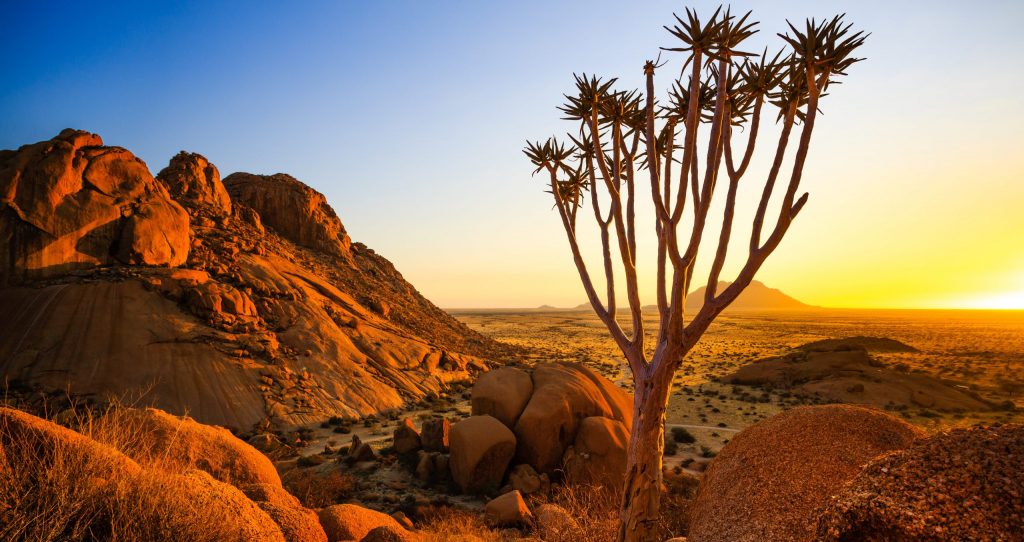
column 1008, row 301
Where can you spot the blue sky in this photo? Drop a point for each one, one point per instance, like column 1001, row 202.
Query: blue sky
column 409, row 117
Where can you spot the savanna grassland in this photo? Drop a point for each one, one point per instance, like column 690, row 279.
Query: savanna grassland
column 980, row 352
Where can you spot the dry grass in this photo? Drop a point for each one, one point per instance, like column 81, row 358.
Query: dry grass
column 62, row 491
column 316, row 489
column 442, row 523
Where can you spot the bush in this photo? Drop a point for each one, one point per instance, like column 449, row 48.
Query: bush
column 671, row 447
column 681, row 435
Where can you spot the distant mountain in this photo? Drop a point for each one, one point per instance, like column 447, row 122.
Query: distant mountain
column 756, row 296
column 547, row 307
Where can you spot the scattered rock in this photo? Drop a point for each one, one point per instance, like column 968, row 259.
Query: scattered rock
column 435, row 434
column 360, row 451
column 481, row 448
column 407, row 438
column 524, row 479
column 502, row 393
column 772, row 479
column 966, row 484
column 507, row 510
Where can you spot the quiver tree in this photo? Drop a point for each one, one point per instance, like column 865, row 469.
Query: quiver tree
column 623, row 136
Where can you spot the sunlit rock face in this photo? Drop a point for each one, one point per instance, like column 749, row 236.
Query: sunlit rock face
column 118, row 283
column 72, row 203
column 296, row 211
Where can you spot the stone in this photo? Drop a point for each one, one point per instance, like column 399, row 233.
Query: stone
column 555, row 523
column 524, row 478
column 72, row 203
column 502, row 393
column 183, row 441
column 563, row 395
column 406, row 437
column 481, row 448
column 360, row 451
column 435, row 434
column 507, row 510
column 192, row 180
column 294, row 210
column 598, row 455
column 391, row 534
column 771, row 480
column 352, row 522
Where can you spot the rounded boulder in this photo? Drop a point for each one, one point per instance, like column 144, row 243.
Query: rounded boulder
column 481, row 448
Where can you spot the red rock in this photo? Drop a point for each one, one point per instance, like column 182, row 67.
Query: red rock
column 192, row 180
column 293, row 209
column 502, row 393
column 598, row 455
column 72, row 203
column 481, row 448
column 564, row 394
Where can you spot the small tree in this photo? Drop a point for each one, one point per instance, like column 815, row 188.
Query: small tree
column 619, row 137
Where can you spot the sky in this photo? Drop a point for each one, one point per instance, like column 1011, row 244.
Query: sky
column 410, row 118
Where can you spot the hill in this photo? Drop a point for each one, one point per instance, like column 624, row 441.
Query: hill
column 238, row 302
column 756, row 296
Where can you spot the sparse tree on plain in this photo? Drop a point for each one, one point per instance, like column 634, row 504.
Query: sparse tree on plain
column 624, row 135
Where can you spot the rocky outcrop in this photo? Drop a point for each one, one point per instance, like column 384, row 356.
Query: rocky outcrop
column 72, row 203
column 771, row 480
column 191, row 179
column 502, row 393
column 481, row 448
column 251, row 326
column 563, row 395
column 966, row 484
column 296, row 211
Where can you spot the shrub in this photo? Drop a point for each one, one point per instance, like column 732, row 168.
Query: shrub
column 681, row 435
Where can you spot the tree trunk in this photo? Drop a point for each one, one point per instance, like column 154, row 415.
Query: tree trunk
column 641, row 497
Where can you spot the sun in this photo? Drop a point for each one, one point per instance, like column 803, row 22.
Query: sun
column 1007, row 301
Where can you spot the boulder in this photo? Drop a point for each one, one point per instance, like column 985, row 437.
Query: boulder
column 432, row 467
column 71, row 203
column 772, row 479
column 351, row 522
column 294, row 210
column 434, row 435
column 297, row 524
column 502, row 393
column 192, row 180
column 107, row 492
column 507, row 510
column 183, row 441
column 407, row 438
column 966, row 484
column 563, row 395
column 524, row 479
column 391, row 534
column 216, row 298
column 24, row 436
column 481, row 448
column 598, row 455
column 360, row 451
column 155, row 233
column 555, row 523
